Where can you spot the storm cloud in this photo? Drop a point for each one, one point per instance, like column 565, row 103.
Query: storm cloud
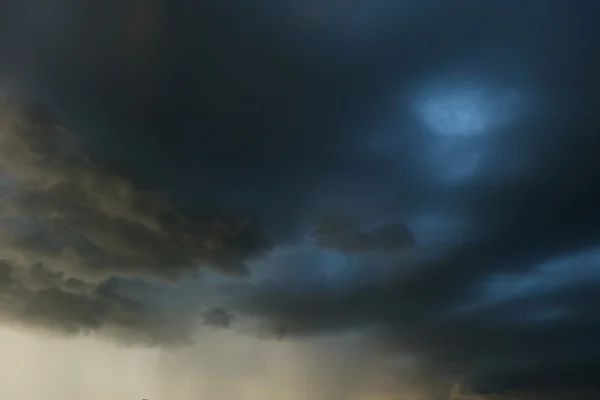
column 341, row 232
column 420, row 174
column 71, row 227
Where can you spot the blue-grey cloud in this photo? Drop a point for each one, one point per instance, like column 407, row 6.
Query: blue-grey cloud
column 461, row 136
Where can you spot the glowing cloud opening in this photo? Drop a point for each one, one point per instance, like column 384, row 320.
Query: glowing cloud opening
column 465, row 110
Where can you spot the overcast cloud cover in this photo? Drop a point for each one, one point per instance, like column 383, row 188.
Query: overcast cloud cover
column 378, row 198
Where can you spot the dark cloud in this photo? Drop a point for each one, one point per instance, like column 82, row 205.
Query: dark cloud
column 342, row 233
column 464, row 134
column 40, row 298
column 217, row 317
column 69, row 226
column 5, row 276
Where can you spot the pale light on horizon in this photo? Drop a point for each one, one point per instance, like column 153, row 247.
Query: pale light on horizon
column 221, row 366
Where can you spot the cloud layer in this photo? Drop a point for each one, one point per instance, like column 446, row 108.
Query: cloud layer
column 451, row 148
column 71, row 229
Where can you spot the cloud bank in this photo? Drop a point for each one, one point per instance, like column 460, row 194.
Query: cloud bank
column 72, row 229
column 450, row 146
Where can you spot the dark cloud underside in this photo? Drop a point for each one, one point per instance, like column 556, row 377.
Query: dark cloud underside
column 69, row 226
column 455, row 142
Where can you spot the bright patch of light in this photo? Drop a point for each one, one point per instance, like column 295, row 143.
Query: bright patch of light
column 465, row 110
column 461, row 115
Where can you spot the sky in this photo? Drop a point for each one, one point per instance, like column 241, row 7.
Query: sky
column 325, row 200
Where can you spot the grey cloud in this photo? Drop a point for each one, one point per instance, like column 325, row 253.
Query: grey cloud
column 343, row 233
column 69, row 226
column 5, row 275
column 217, row 317
column 74, row 307
column 60, row 203
column 497, row 348
column 265, row 116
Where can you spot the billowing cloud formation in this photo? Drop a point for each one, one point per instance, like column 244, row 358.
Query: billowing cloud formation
column 481, row 144
column 70, row 228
